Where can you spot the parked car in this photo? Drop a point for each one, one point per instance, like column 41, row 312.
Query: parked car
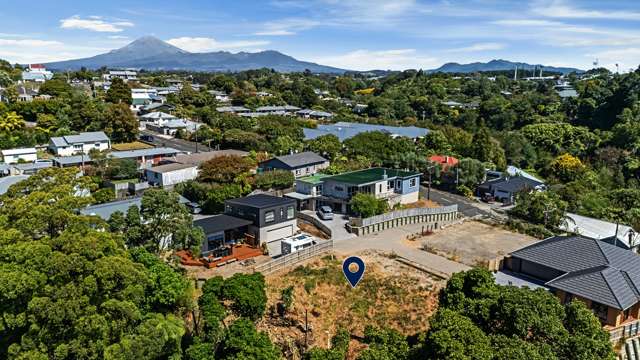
column 194, row 208
column 145, row 137
column 325, row 213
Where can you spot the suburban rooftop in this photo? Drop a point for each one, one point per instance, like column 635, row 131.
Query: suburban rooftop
column 366, row 176
column 261, row 201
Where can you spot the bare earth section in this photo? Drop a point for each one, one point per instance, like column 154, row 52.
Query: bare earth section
column 472, row 242
column 390, row 294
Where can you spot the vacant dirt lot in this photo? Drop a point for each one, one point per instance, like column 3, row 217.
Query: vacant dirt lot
column 473, row 242
column 390, row 294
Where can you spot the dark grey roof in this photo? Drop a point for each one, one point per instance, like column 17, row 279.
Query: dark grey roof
column 301, row 159
column 593, row 269
column 217, row 223
column 512, row 184
column 261, row 201
column 105, row 210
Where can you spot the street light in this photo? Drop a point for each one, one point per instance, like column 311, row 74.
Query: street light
column 429, row 188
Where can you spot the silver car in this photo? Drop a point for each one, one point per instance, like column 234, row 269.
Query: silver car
column 325, row 213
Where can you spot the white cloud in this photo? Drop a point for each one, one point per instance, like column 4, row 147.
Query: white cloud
column 560, row 9
column 627, row 58
column 94, row 23
column 204, row 44
column 395, row 59
column 489, row 46
column 118, row 37
column 28, row 43
column 285, row 27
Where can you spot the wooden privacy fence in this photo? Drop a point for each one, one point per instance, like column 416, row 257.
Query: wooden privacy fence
column 289, row 260
column 434, row 218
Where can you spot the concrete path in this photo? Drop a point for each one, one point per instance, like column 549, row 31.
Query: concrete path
column 393, row 240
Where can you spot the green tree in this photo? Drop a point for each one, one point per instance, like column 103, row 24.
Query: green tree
column 119, row 123
column 119, row 92
column 246, row 294
column 164, row 216
column 243, row 341
column 224, row 169
column 11, row 122
column 326, row 145
column 55, row 87
column 274, row 179
column 367, row 205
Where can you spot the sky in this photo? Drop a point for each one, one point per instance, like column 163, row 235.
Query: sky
column 349, row 34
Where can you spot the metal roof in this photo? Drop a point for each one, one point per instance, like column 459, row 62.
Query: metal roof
column 19, row 151
column 366, row 176
column 104, row 211
column 511, row 184
column 593, row 269
column 346, row 130
column 300, row 159
column 217, row 223
column 81, row 138
column 170, row 167
column 600, row 229
column 7, row 181
column 144, row 152
column 261, row 201
column 157, row 115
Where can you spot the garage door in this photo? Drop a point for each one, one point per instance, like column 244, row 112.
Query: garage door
column 279, row 233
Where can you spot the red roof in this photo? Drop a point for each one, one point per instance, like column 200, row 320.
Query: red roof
column 444, row 160
column 36, row 66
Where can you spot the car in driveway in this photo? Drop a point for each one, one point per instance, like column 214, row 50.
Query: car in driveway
column 325, row 213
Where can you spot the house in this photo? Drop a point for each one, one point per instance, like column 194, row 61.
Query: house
column 105, row 210
column 300, row 164
column 220, row 96
column 172, row 126
column 314, row 114
column 153, row 107
column 232, row 109
column 156, row 116
column 603, row 276
column 221, row 230
column 5, row 169
column 446, row 162
column 125, row 75
column 169, row 175
column 30, row 168
column 395, row 186
column 80, row 143
column 272, row 218
column 26, row 94
column 198, row 158
column 506, row 188
column 620, row 235
column 277, row 110
column 347, row 130
column 12, row 156
column 146, row 158
column 36, row 73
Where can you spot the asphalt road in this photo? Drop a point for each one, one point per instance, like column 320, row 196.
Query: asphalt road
column 178, row 144
column 465, row 206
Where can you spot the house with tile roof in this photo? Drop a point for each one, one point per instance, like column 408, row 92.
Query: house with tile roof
column 603, row 276
column 300, row 164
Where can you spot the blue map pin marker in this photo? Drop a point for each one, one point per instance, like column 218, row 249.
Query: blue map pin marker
column 353, row 277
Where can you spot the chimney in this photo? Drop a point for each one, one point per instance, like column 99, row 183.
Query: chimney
column 384, row 174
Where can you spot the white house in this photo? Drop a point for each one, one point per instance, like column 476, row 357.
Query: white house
column 12, row 156
column 126, row 75
column 36, row 73
column 81, row 143
column 171, row 174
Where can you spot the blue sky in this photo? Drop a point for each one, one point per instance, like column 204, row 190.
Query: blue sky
column 350, row 34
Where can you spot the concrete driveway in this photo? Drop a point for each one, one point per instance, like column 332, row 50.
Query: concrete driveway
column 337, row 225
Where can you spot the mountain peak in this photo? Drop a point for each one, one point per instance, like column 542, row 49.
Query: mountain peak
column 150, row 45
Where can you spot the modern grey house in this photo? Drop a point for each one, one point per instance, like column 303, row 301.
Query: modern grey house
column 221, row 230
column 301, row 164
column 272, row 218
column 604, row 276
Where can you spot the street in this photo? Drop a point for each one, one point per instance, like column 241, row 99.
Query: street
column 178, row 144
column 466, row 207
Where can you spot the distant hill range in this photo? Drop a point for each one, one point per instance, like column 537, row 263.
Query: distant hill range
column 150, row 53
column 499, row 65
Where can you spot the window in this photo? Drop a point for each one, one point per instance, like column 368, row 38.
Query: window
column 290, row 212
column 339, row 188
column 399, row 184
column 389, row 184
column 281, row 213
column 298, row 172
column 270, row 216
column 77, row 147
column 319, row 189
column 308, row 170
column 412, row 182
column 97, row 144
column 379, row 188
column 599, row 310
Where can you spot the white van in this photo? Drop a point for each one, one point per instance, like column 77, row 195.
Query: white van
column 296, row 243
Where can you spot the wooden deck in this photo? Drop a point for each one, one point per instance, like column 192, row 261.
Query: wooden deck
column 238, row 253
